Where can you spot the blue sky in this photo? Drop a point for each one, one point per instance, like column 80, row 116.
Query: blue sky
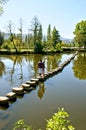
column 63, row 14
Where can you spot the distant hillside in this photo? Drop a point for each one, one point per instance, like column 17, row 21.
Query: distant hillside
column 67, row 40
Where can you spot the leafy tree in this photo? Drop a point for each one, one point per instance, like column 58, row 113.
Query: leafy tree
column 44, row 43
column 55, row 37
column 38, row 48
column 1, row 39
column 2, row 2
column 35, row 29
column 11, row 35
column 40, row 34
column 49, row 36
column 37, row 35
column 80, row 33
column 30, row 40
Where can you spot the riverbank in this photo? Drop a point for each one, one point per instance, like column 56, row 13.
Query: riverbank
column 30, row 51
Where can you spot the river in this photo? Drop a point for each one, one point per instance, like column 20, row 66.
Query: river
column 66, row 89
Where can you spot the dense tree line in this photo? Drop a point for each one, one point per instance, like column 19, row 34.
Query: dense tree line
column 36, row 40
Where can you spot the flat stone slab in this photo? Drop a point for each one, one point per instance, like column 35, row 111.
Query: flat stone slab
column 41, row 78
column 4, row 100
column 11, row 95
column 26, row 86
column 33, row 83
column 17, row 90
column 33, row 79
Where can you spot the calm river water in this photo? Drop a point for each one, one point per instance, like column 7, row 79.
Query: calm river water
column 64, row 90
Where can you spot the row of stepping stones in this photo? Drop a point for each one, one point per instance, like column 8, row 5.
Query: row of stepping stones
column 30, row 85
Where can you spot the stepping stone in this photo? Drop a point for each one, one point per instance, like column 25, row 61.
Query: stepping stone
column 32, row 83
column 19, row 91
column 11, row 95
column 4, row 100
column 41, row 78
column 26, row 86
column 35, row 80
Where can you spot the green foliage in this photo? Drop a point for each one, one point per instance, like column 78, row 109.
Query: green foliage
column 35, row 29
column 1, row 3
column 58, row 46
column 55, row 37
column 7, row 46
column 58, row 121
column 49, row 41
column 79, row 66
column 1, row 39
column 49, row 33
column 20, row 125
column 38, row 48
column 39, row 39
column 80, row 33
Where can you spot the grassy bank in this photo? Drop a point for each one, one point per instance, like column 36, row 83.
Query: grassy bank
column 30, row 51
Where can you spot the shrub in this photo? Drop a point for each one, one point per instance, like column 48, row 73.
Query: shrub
column 59, row 121
column 38, row 48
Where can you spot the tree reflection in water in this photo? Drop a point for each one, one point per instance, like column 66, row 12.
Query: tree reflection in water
column 41, row 90
column 19, row 68
column 79, row 66
column 2, row 68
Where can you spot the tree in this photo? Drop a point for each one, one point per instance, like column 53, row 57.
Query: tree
column 2, row 2
column 1, row 39
column 40, row 34
column 55, row 37
column 11, row 35
column 38, row 47
column 49, row 35
column 37, row 35
column 20, row 31
column 44, row 41
column 35, row 29
column 80, row 33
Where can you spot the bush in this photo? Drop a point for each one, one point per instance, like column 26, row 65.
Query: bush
column 38, row 48
column 59, row 121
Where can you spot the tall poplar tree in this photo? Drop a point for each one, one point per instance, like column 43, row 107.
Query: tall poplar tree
column 37, row 35
column 55, row 37
column 49, row 36
column 40, row 34
column 35, row 29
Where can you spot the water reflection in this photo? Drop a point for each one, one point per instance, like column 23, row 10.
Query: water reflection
column 66, row 91
column 22, row 67
column 79, row 66
column 2, row 68
column 41, row 90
